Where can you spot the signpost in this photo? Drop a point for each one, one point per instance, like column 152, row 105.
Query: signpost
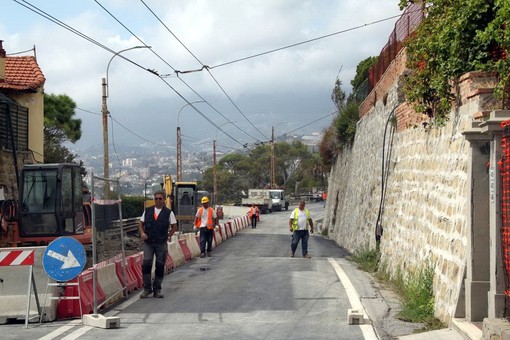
column 63, row 260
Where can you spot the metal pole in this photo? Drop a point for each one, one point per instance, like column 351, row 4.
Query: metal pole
column 179, row 155
column 106, row 162
column 104, row 112
column 94, row 251
column 179, row 140
column 215, row 192
column 122, row 240
column 272, row 159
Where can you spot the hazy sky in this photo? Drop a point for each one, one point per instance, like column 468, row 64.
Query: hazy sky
column 288, row 88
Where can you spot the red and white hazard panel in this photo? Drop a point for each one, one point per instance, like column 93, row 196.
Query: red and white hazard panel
column 16, row 257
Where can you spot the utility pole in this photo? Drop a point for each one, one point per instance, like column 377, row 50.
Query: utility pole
column 179, row 155
column 215, row 191
column 273, row 165
column 106, row 162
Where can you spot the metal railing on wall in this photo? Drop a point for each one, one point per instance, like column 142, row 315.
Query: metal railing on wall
column 405, row 25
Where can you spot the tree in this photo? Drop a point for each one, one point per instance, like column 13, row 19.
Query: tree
column 59, row 127
column 455, row 37
column 338, row 95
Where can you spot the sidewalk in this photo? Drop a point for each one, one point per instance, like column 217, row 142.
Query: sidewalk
column 461, row 330
column 441, row 334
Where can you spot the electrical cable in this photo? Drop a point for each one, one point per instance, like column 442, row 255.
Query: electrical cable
column 51, row 18
column 384, row 174
column 47, row 16
column 306, row 41
column 203, row 67
column 164, row 61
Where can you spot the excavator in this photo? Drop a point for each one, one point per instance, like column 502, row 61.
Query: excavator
column 50, row 205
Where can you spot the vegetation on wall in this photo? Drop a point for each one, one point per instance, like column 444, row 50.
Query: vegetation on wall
column 455, row 37
column 343, row 129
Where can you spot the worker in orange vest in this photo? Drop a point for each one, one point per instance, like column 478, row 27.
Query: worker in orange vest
column 254, row 215
column 206, row 220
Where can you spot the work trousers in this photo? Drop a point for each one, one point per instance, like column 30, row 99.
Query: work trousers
column 302, row 235
column 206, row 239
column 151, row 250
column 254, row 221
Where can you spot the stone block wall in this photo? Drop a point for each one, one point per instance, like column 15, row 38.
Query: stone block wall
column 425, row 203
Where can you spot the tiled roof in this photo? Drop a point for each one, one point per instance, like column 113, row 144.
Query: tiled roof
column 22, row 73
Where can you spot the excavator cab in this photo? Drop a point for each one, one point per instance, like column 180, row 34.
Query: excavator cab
column 51, row 205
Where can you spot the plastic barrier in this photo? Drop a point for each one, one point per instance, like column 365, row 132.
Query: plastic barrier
column 135, row 264
column 185, row 250
column 228, row 232
column 131, row 281
column 71, row 308
column 109, row 283
column 175, row 252
column 169, row 264
column 222, row 233
column 229, row 227
column 193, row 245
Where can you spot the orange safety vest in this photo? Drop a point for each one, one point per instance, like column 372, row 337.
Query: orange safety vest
column 254, row 211
column 210, row 222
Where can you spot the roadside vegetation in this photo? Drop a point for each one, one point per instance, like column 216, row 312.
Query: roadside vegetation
column 415, row 290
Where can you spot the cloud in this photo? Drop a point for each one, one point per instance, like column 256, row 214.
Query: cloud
column 291, row 84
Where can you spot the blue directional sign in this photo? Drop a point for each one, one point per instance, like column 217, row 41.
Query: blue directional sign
column 64, row 259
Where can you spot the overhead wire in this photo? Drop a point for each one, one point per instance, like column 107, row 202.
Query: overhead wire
column 164, row 61
column 203, row 67
column 304, row 42
column 124, row 127
column 51, row 18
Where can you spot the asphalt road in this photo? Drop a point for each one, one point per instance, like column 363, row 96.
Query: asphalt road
column 250, row 289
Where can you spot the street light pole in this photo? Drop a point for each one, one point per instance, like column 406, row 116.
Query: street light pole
column 273, row 157
column 179, row 141
column 104, row 112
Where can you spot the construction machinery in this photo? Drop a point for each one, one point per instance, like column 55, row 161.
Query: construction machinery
column 50, row 205
column 182, row 198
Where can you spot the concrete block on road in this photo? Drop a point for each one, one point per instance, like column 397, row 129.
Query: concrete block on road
column 101, row 321
column 355, row 317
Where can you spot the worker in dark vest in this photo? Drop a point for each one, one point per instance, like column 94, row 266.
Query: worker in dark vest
column 154, row 230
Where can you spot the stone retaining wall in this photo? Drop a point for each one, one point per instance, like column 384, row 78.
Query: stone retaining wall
column 425, row 203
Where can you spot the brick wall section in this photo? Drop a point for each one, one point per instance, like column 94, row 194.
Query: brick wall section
column 381, row 89
column 424, row 215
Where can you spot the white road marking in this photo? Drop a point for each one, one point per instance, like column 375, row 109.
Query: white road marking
column 354, row 300
column 61, row 330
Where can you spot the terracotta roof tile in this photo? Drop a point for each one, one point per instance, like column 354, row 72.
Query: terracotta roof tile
column 22, row 73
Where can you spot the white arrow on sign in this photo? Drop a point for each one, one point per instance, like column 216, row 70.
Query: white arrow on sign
column 69, row 260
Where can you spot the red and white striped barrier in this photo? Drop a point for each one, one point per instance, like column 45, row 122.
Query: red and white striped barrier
column 17, row 258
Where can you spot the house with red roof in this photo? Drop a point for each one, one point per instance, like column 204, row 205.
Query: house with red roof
column 21, row 117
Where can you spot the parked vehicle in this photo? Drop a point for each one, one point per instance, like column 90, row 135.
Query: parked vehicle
column 267, row 200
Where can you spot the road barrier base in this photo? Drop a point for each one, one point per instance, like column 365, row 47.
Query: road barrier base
column 101, row 321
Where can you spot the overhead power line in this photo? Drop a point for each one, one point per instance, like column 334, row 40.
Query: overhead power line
column 203, row 67
column 164, row 61
column 49, row 17
column 303, row 42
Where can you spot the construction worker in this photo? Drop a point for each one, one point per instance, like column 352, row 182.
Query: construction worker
column 206, row 220
column 153, row 228
column 299, row 224
column 253, row 213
